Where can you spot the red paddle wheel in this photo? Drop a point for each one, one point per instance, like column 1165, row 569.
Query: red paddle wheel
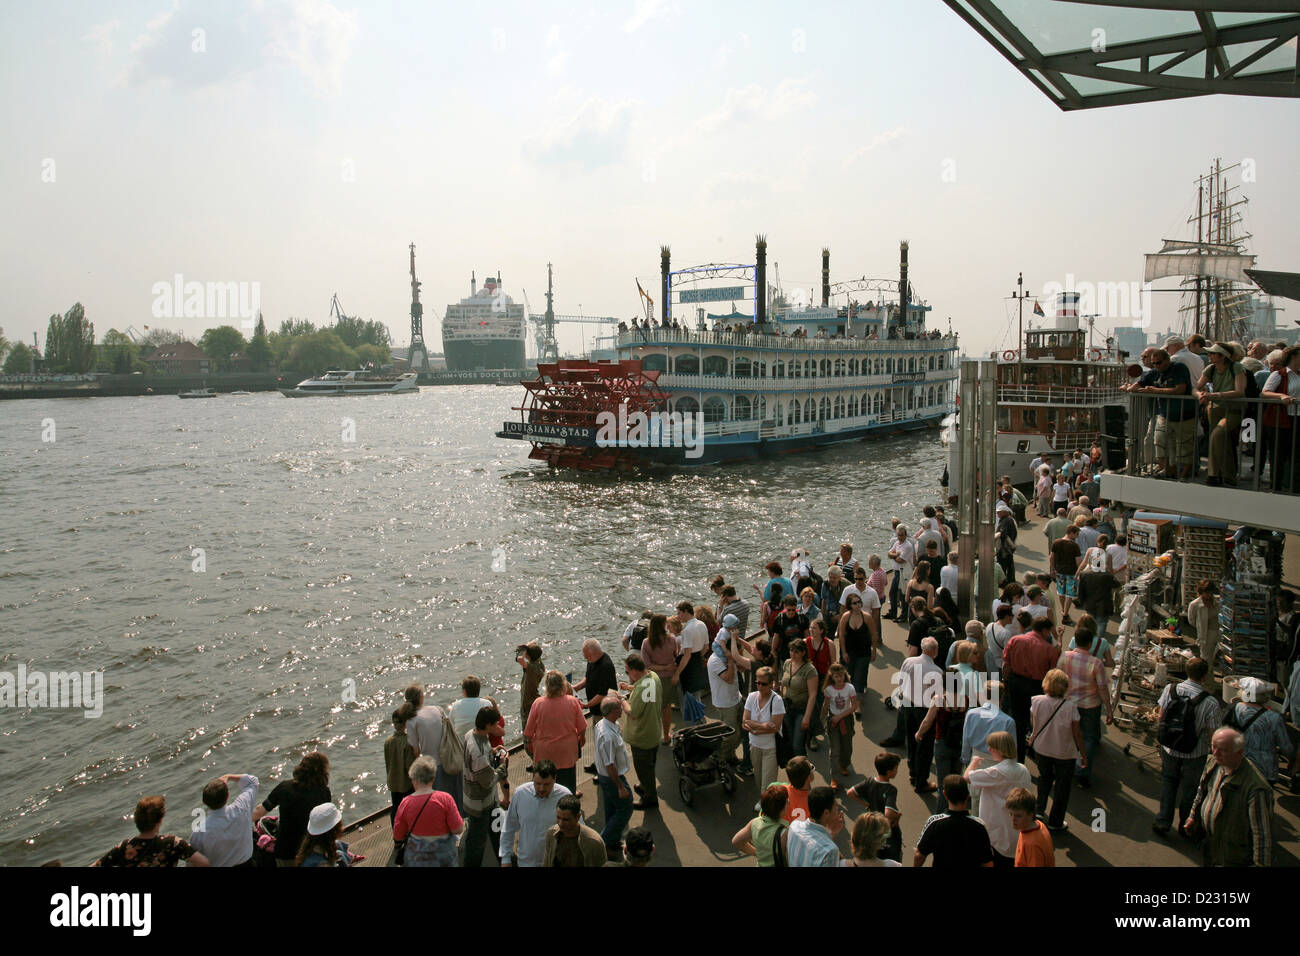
column 574, row 394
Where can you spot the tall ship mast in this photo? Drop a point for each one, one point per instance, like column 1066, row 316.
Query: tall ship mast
column 730, row 385
column 485, row 330
column 1217, row 292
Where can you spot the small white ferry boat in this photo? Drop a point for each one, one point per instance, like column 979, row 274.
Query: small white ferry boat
column 337, row 382
column 198, row 393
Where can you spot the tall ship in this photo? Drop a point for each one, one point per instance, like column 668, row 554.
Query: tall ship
column 1056, row 394
column 485, row 330
column 784, row 379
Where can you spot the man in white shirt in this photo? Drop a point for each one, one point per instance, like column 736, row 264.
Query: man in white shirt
column 920, row 685
column 903, row 555
column 612, row 765
column 948, row 575
column 225, row 835
column 691, row 674
column 531, row 814
column 996, row 636
column 1178, row 352
column 928, row 534
column 724, row 693
column 811, row 842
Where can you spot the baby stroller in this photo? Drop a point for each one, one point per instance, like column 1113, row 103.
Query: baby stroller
column 699, row 761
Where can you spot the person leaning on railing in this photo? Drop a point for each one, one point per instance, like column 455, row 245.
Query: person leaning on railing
column 1223, row 379
column 1282, row 424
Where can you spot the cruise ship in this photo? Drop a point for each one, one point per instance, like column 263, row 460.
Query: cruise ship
column 787, row 379
column 484, row 331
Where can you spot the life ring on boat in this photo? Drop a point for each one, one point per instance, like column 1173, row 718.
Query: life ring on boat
column 1095, row 355
column 1008, row 356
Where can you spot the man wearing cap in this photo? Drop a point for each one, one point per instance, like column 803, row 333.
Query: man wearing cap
column 1006, row 531
column 724, row 661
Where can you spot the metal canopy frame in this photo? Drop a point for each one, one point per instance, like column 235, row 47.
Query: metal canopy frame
column 1151, row 81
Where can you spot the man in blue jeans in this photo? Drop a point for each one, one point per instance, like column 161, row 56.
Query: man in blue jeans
column 612, row 765
column 1184, row 744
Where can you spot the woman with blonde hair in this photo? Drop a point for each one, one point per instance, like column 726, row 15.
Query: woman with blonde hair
column 870, row 831
column 555, row 730
column 991, row 781
column 1056, row 742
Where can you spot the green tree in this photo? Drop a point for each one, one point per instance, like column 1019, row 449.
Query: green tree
column 117, row 353
column 317, row 351
column 293, row 327
column 378, row 354
column 157, row 338
column 19, row 360
column 4, row 345
column 259, row 347
column 221, row 344
column 70, row 342
column 355, row 332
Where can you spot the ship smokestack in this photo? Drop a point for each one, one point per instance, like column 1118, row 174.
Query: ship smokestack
column 760, row 280
column 664, row 288
column 904, row 295
column 826, row 277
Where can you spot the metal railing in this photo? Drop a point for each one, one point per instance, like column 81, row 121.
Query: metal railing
column 1059, row 394
column 810, row 384
column 660, row 336
column 1251, row 450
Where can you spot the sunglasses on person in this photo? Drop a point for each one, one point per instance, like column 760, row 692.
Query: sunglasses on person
column 763, row 683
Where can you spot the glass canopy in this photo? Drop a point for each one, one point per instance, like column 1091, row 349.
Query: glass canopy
column 1089, row 53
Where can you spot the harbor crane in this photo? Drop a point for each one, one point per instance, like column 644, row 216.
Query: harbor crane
column 548, row 349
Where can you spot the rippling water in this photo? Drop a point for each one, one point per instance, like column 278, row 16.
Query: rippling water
column 333, row 564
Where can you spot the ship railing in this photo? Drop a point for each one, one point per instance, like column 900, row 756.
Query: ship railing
column 1258, row 439
column 1060, row 394
column 1071, row 354
column 815, row 383
column 641, row 336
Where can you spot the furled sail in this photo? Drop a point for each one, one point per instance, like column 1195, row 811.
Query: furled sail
column 1208, row 259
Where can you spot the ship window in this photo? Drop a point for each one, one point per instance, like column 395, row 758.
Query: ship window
column 778, row 369
column 760, row 407
column 853, row 366
column 839, row 367
column 687, row 365
column 715, row 365
column 810, row 410
column 715, row 409
column 931, row 396
column 940, row 360
column 654, row 362
column 826, row 368
column 743, row 409
column 839, row 406
column 760, row 369
column 865, row 405
column 853, row 406
column 687, row 405
column 1004, row 418
column 880, row 366
column 932, row 363
column 743, row 368
column 875, row 404
column 1029, row 417
column 796, row 413
column 810, row 368
column 824, row 412
column 889, row 366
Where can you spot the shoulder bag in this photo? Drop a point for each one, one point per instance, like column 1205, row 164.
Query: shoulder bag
column 1030, row 749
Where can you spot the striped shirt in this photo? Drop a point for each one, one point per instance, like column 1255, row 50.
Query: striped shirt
column 810, row 844
column 610, row 749
column 1259, row 808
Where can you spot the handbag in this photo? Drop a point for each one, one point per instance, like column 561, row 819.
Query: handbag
column 398, row 855
column 451, row 751
column 1029, row 751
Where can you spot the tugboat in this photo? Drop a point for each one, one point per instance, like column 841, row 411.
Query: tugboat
column 788, row 379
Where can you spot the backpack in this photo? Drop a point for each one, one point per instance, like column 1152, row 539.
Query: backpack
column 1233, row 721
column 1178, row 722
column 639, row 633
column 1252, row 385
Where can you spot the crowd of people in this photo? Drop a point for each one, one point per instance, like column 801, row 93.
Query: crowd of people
column 783, row 674
column 1204, row 393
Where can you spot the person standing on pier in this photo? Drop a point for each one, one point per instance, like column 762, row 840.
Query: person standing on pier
column 485, row 773
column 920, row 682
column 612, row 767
column 764, row 715
column 1006, row 537
column 645, row 694
column 1025, row 662
column 555, row 730
column 903, row 553
column 1063, row 562
column 531, row 813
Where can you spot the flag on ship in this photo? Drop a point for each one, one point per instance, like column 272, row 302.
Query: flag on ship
column 1038, row 309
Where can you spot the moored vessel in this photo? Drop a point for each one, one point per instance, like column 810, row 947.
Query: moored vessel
column 787, row 379
column 485, row 330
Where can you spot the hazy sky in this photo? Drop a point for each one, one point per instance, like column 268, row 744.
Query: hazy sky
column 304, row 144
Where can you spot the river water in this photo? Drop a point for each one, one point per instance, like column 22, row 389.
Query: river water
column 256, row 576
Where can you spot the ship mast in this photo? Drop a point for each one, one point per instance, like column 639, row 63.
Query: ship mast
column 417, row 323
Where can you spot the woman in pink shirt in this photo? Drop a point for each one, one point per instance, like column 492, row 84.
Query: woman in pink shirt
column 555, row 730
column 427, row 820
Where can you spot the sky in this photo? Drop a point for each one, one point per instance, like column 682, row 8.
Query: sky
column 302, row 145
